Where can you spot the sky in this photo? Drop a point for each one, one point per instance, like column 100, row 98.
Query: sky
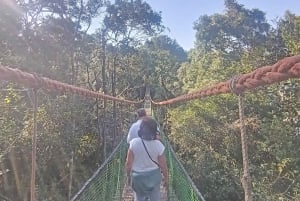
column 180, row 15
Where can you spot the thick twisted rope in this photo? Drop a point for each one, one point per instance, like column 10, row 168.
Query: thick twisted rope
column 35, row 81
column 284, row 69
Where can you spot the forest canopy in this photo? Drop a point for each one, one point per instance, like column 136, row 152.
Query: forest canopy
column 128, row 52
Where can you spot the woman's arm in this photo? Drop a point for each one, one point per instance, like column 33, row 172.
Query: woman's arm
column 128, row 164
column 164, row 168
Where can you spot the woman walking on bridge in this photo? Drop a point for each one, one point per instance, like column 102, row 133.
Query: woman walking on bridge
column 145, row 162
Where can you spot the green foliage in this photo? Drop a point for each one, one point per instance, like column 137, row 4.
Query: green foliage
column 205, row 133
column 124, row 15
column 162, row 57
column 14, row 143
column 10, row 24
column 209, row 148
column 130, row 22
column 74, row 132
column 289, row 28
column 237, row 30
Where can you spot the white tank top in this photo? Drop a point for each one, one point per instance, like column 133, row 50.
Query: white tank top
column 141, row 160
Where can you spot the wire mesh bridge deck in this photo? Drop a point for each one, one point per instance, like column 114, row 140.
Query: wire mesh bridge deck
column 108, row 183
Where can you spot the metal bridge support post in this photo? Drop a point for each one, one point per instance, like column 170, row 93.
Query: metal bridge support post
column 33, row 152
column 246, row 179
column 147, row 103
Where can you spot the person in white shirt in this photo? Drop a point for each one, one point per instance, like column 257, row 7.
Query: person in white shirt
column 146, row 162
column 133, row 130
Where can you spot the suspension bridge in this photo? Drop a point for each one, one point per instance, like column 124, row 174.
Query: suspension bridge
column 108, row 182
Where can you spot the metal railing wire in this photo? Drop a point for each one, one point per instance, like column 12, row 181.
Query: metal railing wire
column 181, row 187
column 108, row 181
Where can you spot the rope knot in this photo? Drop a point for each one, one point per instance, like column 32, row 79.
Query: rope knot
column 232, row 85
column 38, row 81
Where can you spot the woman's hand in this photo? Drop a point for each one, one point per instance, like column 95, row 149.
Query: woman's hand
column 164, row 169
column 166, row 181
column 128, row 165
column 128, row 180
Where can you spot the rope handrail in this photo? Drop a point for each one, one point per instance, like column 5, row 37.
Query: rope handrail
column 284, row 69
column 36, row 81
